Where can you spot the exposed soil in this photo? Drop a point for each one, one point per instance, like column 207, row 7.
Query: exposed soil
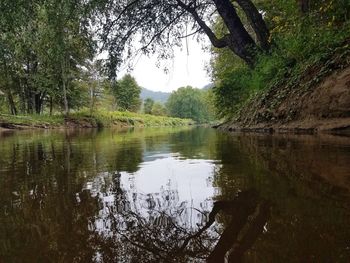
column 3, row 129
column 318, row 101
column 69, row 123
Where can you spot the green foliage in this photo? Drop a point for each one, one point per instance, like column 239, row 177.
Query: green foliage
column 100, row 118
column 125, row 118
column 188, row 102
column 148, row 105
column 43, row 46
column 127, row 94
column 230, row 91
column 299, row 42
column 159, row 109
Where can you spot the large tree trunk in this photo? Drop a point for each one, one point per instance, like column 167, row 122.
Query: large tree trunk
column 257, row 22
column 239, row 40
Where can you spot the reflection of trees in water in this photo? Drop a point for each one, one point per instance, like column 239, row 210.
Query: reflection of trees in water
column 155, row 227
column 135, row 227
column 44, row 213
column 46, row 216
column 195, row 143
column 309, row 216
column 47, row 224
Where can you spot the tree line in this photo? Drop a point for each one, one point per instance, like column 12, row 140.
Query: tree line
column 185, row 102
column 49, row 48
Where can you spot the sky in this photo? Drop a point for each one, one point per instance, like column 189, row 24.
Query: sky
column 185, row 69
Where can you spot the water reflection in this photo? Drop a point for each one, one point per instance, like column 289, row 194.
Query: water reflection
column 173, row 195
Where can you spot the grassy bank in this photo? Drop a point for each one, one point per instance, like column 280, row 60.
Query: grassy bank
column 315, row 100
column 86, row 120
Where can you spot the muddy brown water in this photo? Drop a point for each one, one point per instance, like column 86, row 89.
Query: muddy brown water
column 173, row 195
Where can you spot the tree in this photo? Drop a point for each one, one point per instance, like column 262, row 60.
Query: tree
column 127, row 94
column 188, row 102
column 43, row 46
column 148, row 105
column 71, row 44
column 162, row 24
column 158, row 109
column 95, row 82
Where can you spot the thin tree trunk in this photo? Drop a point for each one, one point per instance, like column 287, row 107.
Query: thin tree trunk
column 22, row 101
column 38, row 103
column 304, row 6
column 29, row 100
column 257, row 22
column 92, row 99
column 51, row 105
column 12, row 104
column 32, row 99
column 64, row 87
column 65, row 100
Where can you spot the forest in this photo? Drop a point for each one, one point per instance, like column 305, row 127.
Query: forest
column 51, row 55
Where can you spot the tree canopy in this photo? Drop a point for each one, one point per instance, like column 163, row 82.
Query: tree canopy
column 188, row 102
column 127, row 94
column 159, row 109
column 160, row 25
column 43, row 46
column 50, row 50
column 148, row 105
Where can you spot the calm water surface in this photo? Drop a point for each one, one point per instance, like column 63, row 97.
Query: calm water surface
column 173, row 195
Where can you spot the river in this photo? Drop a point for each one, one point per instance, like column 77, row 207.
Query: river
column 146, row 195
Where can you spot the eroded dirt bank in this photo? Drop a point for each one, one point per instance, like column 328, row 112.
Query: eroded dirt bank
column 318, row 101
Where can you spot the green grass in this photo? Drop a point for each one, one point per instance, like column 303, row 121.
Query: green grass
column 107, row 118
column 7, row 120
column 84, row 119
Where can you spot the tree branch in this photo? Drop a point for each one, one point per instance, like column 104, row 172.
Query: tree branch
column 161, row 31
column 193, row 33
column 216, row 42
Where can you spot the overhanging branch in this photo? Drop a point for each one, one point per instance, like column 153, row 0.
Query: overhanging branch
column 216, row 42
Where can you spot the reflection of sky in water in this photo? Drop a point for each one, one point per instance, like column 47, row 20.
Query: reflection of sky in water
column 191, row 178
column 164, row 183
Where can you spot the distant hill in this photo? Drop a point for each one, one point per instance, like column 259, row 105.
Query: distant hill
column 157, row 96
column 162, row 97
column 208, row 86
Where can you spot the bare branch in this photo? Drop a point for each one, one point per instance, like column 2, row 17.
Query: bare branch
column 193, row 33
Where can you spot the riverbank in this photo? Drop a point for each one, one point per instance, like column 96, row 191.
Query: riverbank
column 86, row 120
column 318, row 100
